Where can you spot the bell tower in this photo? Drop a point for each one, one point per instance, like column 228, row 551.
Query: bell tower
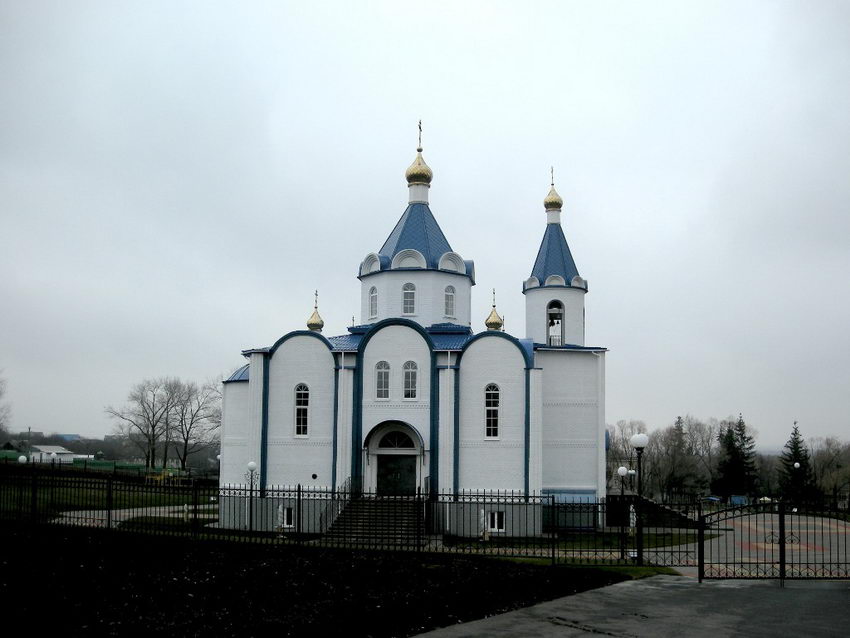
column 554, row 293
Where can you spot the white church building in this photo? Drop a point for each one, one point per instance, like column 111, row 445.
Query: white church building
column 418, row 399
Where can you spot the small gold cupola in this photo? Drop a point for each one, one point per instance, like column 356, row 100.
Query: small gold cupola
column 494, row 321
column 315, row 322
column 553, row 201
column 419, row 172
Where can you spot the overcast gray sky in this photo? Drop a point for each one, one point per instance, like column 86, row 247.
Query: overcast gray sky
column 177, row 178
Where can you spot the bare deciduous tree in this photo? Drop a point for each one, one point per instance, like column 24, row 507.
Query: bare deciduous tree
column 145, row 417
column 196, row 418
column 5, row 409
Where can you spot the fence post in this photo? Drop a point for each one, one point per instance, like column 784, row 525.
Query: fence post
column 781, row 544
column 34, row 498
column 639, row 530
column 109, row 498
column 418, row 519
column 553, row 528
column 195, row 505
column 298, row 515
column 251, row 504
column 700, row 541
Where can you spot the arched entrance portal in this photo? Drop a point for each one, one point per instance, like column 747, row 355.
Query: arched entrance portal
column 394, row 459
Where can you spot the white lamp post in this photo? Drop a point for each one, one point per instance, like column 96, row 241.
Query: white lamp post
column 252, row 468
column 622, row 472
column 639, row 442
column 22, row 459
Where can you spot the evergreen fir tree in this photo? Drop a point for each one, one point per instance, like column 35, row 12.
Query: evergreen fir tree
column 796, row 484
column 747, row 454
column 736, row 468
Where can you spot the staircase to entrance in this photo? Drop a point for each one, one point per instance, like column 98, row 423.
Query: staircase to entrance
column 380, row 522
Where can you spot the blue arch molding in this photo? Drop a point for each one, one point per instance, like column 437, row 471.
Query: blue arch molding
column 268, row 353
column 357, row 407
column 526, row 347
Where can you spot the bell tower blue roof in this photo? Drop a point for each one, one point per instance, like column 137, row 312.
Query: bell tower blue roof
column 554, row 257
column 417, row 229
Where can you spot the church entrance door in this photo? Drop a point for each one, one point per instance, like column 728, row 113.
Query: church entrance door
column 396, row 474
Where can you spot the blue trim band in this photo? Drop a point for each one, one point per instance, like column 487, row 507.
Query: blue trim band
column 434, row 469
column 335, row 430
column 456, row 464
column 300, row 333
column 264, row 426
column 527, row 428
column 527, row 357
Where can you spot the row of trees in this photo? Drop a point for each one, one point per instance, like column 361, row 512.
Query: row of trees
column 5, row 409
column 694, row 457
column 168, row 416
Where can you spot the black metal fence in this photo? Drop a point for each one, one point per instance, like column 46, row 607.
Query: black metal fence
column 620, row 530
column 775, row 540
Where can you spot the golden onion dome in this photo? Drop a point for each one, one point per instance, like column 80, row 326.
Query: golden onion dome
column 553, row 201
column 315, row 322
column 494, row 321
column 419, row 172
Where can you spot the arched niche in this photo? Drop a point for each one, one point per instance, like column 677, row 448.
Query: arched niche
column 409, row 258
column 372, row 263
column 453, row 262
column 532, row 282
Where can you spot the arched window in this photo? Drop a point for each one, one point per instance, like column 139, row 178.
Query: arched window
column 450, row 301
column 373, row 302
column 395, row 440
column 491, row 411
column 382, row 380
column 302, row 409
column 410, row 380
column 408, row 299
column 555, row 324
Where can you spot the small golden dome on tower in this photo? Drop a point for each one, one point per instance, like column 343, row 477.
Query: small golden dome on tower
column 419, row 172
column 493, row 320
column 315, row 322
column 553, row 201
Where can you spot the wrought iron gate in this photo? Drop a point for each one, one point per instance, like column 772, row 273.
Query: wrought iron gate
column 774, row 540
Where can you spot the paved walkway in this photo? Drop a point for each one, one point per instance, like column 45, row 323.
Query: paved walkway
column 679, row 606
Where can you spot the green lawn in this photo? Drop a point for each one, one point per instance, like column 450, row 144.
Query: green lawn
column 589, row 540
column 61, row 494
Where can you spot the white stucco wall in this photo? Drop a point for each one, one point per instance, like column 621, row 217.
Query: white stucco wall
column 573, row 424
column 240, row 425
column 430, row 296
column 294, row 459
column 344, row 425
column 494, row 464
column 234, row 424
column 397, row 345
column 536, row 321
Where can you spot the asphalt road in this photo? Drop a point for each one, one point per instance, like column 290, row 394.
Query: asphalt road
column 679, row 606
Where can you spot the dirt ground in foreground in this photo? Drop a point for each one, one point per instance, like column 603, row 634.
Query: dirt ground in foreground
column 84, row 582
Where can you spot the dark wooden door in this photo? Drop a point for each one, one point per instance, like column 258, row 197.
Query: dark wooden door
column 396, row 474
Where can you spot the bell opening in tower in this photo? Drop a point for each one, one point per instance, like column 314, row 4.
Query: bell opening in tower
column 555, row 316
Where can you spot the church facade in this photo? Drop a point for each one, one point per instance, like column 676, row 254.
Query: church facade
column 415, row 400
